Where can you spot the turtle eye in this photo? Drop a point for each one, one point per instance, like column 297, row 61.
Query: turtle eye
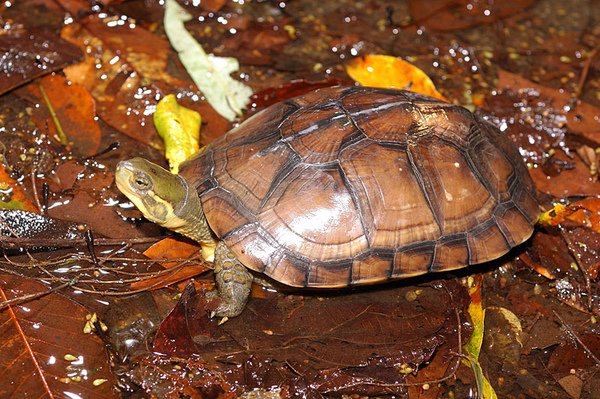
column 141, row 182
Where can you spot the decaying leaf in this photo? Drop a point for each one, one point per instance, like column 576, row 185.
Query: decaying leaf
column 27, row 54
column 360, row 342
column 210, row 73
column 12, row 195
column 179, row 128
column 452, row 15
column 391, row 72
column 45, row 351
column 124, row 98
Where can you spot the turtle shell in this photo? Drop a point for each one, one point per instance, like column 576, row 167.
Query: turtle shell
column 357, row 185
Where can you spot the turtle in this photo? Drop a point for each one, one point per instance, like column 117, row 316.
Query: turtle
column 343, row 186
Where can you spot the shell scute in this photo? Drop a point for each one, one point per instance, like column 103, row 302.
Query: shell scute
column 355, row 185
column 391, row 220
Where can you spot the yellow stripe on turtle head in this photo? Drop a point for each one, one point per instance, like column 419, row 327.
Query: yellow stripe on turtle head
column 157, row 193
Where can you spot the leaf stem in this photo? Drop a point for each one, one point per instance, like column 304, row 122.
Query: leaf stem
column 59, row 130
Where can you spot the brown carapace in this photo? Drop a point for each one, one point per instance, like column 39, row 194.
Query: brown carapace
column 356, row 185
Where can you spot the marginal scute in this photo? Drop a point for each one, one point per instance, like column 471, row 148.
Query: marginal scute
column 413, row 260
column 513, row 224
column 371, row 269
column 486, row 242
column 450, row 253
column 358, row 185
column 334, row 274
column 287, row 269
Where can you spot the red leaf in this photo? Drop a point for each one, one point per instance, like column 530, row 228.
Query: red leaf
column 36, row 337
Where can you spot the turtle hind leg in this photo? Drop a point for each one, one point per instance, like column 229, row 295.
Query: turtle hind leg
column 233, row 283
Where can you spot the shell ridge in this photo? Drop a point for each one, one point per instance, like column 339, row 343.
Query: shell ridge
column 475, row 169
column 352, row 120
column 421, row 183
column 293, row 162
column 355, row 201
column 506, row 235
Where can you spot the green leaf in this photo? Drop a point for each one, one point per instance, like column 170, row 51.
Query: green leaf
column 179, row 127
column 210, row 73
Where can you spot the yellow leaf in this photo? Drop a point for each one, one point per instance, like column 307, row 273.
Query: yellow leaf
column 554, row 216
column 391, row 72
column 473, row 345
column 179, row 127
column 585, row 213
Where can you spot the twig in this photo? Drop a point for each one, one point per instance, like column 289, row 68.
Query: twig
column 10, row 230
column 30, row 297
column 585, row 71
column 36, row 197
column 19, row 243
column 576, row 337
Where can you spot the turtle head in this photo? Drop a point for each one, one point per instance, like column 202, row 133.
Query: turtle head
column 163, row 198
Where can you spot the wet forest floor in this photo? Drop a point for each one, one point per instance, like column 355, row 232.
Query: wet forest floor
column 90, row 310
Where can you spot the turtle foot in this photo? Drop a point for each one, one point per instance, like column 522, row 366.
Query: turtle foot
column 233, row 284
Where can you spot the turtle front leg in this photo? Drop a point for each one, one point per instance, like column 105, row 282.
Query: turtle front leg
column 233, row 283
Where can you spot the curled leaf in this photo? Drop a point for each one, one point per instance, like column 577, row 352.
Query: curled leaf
column 391, row 72
column 179, row 127
column 210, row 73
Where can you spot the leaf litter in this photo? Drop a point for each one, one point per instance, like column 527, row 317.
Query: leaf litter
column 528, row 67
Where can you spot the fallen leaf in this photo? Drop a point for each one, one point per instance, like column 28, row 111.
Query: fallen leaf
column 67, row 112
column 40, row 337
column 349, row 343
column 124, row 98
column 179, row 127
column 585, row 213
column 167, row 250
column 12, row 195
column 581, row 117
column 503, row 337
column 391, row 72
column 453, row 15
column 28, row 54
column 571, row 355
column 210, row 73
column 572, row 384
